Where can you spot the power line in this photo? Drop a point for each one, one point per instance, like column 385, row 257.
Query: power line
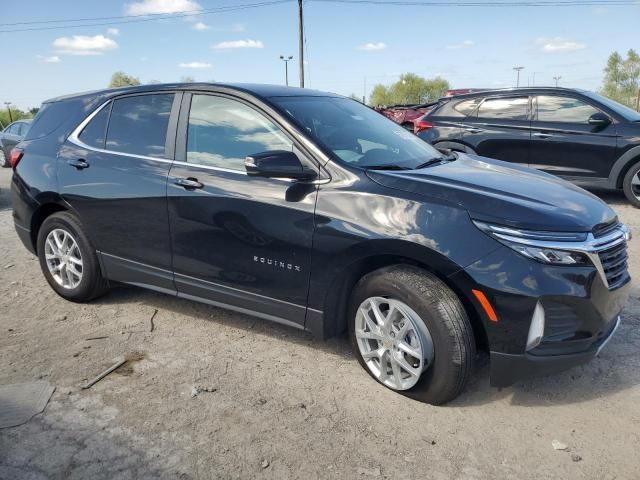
column 493, row 3
column 146, row 18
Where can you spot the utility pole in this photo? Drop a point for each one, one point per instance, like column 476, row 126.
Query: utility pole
column 557, row 79
column 8, row 104
column 517, row 69
column 301, row 43
column 533, row 83
column 286, row 68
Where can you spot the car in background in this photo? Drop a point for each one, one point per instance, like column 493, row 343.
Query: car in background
column 578, row 135
column 10, row 137
column 405, row 115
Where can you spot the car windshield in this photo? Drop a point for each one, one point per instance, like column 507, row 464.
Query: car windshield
column 356, row 134
column 626, row 112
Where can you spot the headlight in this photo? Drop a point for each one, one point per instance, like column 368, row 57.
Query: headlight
column 553, row 248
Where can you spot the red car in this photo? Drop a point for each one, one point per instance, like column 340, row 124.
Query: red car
column 406, row 114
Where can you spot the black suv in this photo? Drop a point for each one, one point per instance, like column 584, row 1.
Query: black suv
column 312, row 210
column 578, row 135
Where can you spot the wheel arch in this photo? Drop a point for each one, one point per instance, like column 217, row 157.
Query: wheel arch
column 43, row 211
column 342, row 284
column 622, row 166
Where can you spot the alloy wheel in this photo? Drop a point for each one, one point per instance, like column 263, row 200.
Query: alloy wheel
column 635, row 185
column 63, row 258
column 394, row 342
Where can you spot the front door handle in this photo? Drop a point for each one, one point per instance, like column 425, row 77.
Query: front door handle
column 474, row 130
column 188, row 183
column 542, row 135
column 79, row 163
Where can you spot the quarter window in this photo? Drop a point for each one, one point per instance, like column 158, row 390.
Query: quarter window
column 505, row 108
column 93, row 134
column 138, row 125
column 457, row 108
column 563, row 109
column 222, row 132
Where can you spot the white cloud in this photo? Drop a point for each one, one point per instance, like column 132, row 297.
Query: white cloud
column 195, row 65
column 201, row 26
column 559, row 44
column 238, row 44
column 372, row 46
column 51, row 59
column 465, row 44
column 84, row 45
column 114, row 32
column 151, row 7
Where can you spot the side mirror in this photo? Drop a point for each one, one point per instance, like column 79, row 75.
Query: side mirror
column 278, row 164
column 599, row 119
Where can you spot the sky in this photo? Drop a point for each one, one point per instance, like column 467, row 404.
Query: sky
column 349, row 47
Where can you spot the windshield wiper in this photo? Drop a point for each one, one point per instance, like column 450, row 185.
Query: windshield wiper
column 390, row 166
column 433, row 161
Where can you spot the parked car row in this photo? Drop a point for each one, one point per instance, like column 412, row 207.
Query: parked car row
column 312, row 210
column 405, row 115
column 577, row 135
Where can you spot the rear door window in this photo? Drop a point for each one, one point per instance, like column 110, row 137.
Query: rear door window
column 93, row 134
column 516, row 108
column 138, row 124
column 552, row 108
column 458, row 108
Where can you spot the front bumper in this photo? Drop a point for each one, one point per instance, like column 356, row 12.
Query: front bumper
column 581, row 313
column 506, row 369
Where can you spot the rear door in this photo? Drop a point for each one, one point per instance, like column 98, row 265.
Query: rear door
column 113, row 172
column 563, row 143
column 244, row 242
column 500, row 128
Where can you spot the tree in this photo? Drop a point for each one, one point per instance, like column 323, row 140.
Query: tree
column 16, row 114
column 622, row 78
column 410, row 89
column 121, row 79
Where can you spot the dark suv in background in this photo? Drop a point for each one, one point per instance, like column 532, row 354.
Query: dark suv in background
column 312, row 210
column 578, row 135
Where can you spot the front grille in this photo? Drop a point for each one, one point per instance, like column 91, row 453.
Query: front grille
column 614, row 263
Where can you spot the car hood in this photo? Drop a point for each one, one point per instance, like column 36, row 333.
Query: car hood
column 504, row 193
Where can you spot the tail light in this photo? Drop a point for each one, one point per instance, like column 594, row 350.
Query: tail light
column 421, row 125
column 15, row 156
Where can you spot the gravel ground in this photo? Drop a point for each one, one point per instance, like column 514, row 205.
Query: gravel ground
column 281, row 405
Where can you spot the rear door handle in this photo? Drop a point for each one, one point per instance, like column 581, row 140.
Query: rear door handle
column 188, row 183
column 79, row 163
column 474, row 130
column 542, row 135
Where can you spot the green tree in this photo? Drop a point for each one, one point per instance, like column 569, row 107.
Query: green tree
column 622, row 78
column 121, row 79
column 16, row 114
column 410, row 89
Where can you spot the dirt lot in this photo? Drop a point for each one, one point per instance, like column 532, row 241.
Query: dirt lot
column 283, row 406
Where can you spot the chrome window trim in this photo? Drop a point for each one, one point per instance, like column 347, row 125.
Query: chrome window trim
column 74, row 138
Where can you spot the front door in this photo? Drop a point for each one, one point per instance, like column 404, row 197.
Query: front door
column 563, row 143
column 113, row 173
column 238, row 241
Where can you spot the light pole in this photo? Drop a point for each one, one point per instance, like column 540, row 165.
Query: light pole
column 301, row 43
column 517, row 69
column 286, row 68
column 8, row 104
column 557, row 79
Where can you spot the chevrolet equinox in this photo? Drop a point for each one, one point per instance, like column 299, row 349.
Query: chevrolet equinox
column 312, row 210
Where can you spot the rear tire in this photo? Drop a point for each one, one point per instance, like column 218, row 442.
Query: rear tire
column 440, row 322
column 631, row 185
column 68, row 260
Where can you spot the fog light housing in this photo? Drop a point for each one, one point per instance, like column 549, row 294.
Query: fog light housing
column 536, row 330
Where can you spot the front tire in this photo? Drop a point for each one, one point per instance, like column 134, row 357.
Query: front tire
column 68, row 260
column 411, row 333
column 631, row 185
